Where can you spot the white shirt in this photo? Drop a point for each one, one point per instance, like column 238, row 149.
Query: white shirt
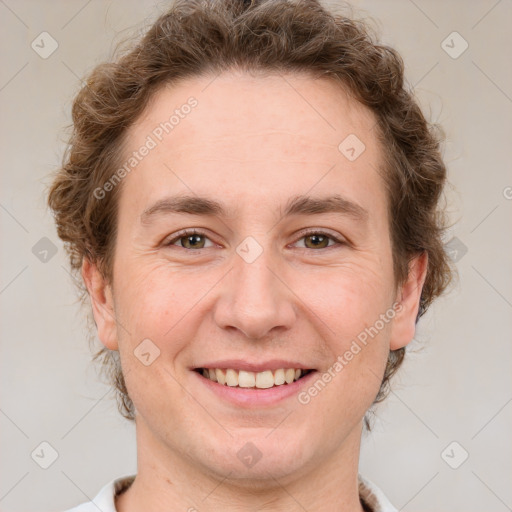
column 369, row 493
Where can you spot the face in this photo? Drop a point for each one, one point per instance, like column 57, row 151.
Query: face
column 285, row 263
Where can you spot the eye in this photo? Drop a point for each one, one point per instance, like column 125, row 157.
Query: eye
column 193, row 239
column 319, row 240
column 190, row 239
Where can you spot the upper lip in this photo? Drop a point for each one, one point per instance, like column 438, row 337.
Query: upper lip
column 240, row 364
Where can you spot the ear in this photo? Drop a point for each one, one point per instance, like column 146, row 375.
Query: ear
column 102, row 303
column 409, row 294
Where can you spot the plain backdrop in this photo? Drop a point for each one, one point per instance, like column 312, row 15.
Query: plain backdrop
column 451, row 400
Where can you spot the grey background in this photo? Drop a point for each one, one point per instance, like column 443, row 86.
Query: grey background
column 456, row 384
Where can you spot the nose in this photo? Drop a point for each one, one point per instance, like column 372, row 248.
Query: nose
column 255, row 299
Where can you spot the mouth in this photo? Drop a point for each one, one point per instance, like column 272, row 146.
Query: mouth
column 235, row 378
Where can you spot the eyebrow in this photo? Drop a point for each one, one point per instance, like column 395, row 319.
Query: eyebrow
column 298, row 205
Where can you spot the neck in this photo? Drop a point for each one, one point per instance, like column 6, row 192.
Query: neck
column 168, row 479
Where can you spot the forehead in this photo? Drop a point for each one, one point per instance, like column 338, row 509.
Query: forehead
column 252, row 135
column 290, row 109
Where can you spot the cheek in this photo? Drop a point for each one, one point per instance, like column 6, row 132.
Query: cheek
column 154, row 306
column 358, row 316
column 353, row 311
column 153, row 297
column 346, row 299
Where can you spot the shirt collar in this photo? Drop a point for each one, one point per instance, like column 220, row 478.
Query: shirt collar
column 370, row 495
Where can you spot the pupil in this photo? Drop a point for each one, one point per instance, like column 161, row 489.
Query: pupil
column 194, row 239
column 317, row 240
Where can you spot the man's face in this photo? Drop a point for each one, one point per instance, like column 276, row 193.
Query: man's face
column 257, row 287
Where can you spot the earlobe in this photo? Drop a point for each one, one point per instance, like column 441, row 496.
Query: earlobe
column 102, row 304
column 404, row 323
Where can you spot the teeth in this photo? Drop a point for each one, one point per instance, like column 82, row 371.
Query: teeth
column 231, row 377
column 221, row 376
column 245, row 379
column 279, row 377
column 289, row 375
column 265, row 379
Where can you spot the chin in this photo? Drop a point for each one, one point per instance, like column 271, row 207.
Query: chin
column 255, row 458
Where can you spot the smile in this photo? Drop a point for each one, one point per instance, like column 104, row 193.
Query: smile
column 247, row 379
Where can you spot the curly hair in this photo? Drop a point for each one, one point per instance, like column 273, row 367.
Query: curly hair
column 204, row 37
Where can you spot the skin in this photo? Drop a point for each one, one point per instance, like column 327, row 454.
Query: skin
column 251, row 143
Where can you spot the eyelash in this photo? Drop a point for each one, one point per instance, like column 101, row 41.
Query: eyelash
column 187, row 232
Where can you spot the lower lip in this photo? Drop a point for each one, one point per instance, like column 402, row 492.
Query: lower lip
column 254, row 397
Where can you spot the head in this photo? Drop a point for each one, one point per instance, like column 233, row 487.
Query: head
column 284, row 140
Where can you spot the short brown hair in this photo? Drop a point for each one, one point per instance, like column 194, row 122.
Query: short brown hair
column 199, row 37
